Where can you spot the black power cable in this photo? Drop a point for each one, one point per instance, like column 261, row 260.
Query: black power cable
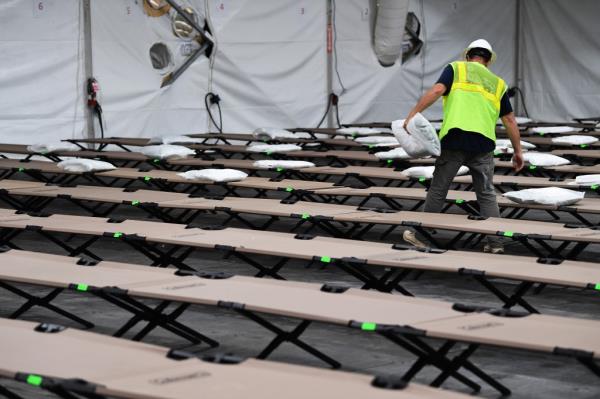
column 214, row 99
column 332, row 100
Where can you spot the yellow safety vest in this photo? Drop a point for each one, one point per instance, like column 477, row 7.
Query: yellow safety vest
column 473, row 103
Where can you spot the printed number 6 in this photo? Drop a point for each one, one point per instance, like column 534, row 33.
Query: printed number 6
column 41, row 6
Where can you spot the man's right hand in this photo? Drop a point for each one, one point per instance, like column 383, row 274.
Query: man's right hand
column 518, row 161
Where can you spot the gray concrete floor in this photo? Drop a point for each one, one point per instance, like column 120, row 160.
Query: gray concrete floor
column 529, row 375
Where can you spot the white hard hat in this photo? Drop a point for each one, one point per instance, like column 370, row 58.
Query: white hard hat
column 481, row 43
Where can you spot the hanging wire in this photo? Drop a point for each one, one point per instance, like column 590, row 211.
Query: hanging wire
column 335, row 59
column 214, row 99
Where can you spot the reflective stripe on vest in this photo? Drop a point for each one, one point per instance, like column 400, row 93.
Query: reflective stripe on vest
column 473, row 103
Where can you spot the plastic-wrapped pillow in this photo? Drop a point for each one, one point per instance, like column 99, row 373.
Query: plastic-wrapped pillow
column 396, row 153
column 426, row 172
column 358, row 131
column 80, row 165
column 545, row 196
column 166, row 151
column 374, row 140
column 541, row 159
column 506, row 143
column 216, row 175
column 272, row 133
column 575, row 139
column 587, row 180
column 553, row 129
column 285, row 164
column 270, row 148
column 46, row 148
column 181, row 140
column 421, row 141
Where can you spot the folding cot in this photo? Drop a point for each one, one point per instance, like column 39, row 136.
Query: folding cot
column 73, row 364
column 349, row 175
column 185, row 208
column 582, row 157
column 171, row 244
column 48, row 172
column 347, row 221
column 546, row 143
column 329, row 158
column 126, row 143
column 407, row 322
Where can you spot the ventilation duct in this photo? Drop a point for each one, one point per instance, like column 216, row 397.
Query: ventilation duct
column 388, row 34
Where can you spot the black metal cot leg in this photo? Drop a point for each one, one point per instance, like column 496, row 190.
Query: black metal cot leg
column 43, row 302
column 9, row 394
column 292, row 337
column 155, row 318
column 428, row 356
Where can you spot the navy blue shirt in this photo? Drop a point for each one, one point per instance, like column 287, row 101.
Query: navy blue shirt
column 458, row 139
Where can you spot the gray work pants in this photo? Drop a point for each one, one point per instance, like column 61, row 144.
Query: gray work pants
column 481, row 167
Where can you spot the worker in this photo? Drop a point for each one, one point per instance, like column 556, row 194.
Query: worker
column 473, row 99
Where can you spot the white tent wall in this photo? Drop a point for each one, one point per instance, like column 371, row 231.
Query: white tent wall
column 270, row 63
column 372, row 92
column 559, row 58
column 41, row 70
column 270, row 67
column 133, row 102
column 451, row 25
column 376, row 93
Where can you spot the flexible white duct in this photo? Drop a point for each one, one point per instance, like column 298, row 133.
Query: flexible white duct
column 389, row 30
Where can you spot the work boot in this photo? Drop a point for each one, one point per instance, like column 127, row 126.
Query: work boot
column 411, row 238
column 494, row 248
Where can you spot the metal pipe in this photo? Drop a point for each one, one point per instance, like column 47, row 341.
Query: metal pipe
column 330, row 49
column 88, row 63
column 517, row 77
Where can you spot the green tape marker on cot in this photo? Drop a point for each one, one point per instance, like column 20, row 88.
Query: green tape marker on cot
column 325, row 259
column 422, row 179
column 594, row 186
column 597, row 287
column 508, row 234
column 21, row 169
column 135, row 202
column 583, row 145
column 389, row 161
column 279, row 169
column 289, row 189
column 459, row 201
column 156, row 160
column 368, row 326
column 34, row 380
column 532, row 167
column 147, row 178
column 305, row 216
column 82, row 287
column 118, row 234
column 268, row 152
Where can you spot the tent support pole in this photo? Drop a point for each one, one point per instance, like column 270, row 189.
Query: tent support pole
column 518, row 80
column 329, row 58
column 88, row 64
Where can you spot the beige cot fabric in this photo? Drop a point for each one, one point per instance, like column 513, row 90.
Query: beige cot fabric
column 135, row 370
column 307, row 301
column 541, row 333
column 569, row 273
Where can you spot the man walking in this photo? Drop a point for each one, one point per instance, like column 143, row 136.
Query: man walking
column 474, row 98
